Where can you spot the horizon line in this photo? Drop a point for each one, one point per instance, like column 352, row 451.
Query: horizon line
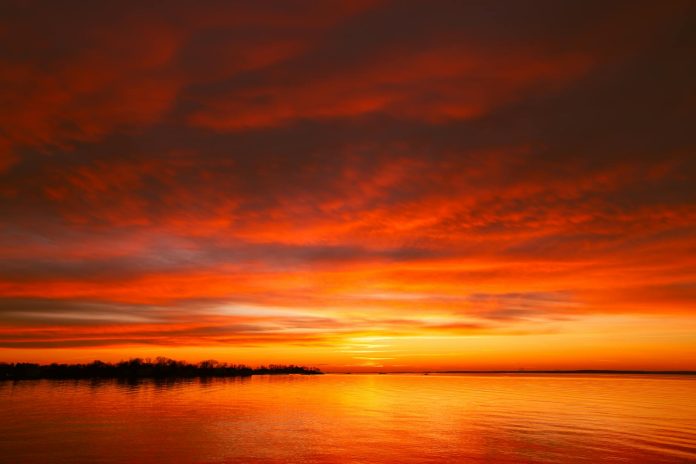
column 529, row 371
column 333, row 370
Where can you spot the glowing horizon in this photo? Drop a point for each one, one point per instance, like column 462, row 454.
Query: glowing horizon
column 350, row 185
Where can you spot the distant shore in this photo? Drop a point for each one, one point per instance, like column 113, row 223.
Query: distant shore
column 160, row 368
column 523, row 372
column 578, row 371
column 165, row 368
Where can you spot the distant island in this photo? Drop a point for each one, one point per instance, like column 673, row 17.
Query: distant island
column 137, row 368
column 576, row 371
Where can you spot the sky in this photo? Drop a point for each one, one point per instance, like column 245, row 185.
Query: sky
column 353, row 185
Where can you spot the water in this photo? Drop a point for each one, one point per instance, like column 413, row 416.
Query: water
column 352, row 419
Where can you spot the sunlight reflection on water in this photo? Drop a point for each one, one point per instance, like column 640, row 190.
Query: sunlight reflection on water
column 352, row 418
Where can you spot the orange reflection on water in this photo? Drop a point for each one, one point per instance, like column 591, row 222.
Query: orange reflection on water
column 353, row 418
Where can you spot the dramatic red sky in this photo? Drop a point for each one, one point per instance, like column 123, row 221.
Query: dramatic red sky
column 352, row 185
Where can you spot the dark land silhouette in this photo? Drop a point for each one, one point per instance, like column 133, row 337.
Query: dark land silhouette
column 144, row 368
column 553, row 372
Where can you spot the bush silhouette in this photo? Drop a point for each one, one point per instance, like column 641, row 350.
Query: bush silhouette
column 144, row 368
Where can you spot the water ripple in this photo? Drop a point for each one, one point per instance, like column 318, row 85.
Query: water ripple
column 357, row 418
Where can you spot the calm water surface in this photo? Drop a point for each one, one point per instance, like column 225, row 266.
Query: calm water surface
column 352, row 419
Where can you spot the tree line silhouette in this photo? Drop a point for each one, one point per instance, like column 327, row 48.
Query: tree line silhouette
column 144, row 368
